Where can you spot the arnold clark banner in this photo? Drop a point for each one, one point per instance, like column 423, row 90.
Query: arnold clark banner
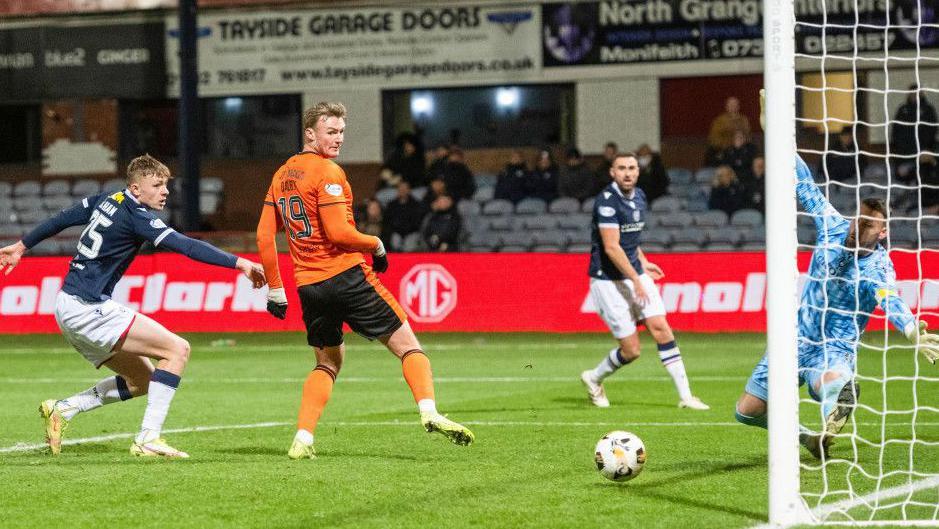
column 276, row 50
column 632, row 31
column 703, row 292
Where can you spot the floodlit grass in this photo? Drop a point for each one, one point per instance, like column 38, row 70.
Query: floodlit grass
column 532, row 464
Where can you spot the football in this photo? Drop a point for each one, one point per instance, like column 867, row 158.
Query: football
column 620, row 456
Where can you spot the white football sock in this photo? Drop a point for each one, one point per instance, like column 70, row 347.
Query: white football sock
column 426, row 406
column 610, row 363
column 106, row 391
column 304, row 436
column 163, row 386
column 671, row 359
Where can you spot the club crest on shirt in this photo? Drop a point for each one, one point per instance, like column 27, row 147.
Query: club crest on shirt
column 636, row 215
column 157, row 224
column 334, row 189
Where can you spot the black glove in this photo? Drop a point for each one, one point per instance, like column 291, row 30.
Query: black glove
column 380, row 264
column 277, row 303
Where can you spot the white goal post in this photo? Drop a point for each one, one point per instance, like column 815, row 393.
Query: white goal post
column 886, row 471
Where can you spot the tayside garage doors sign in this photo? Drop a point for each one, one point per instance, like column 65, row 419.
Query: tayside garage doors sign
column 631, row 31
column 278, row 50
column 50, row 61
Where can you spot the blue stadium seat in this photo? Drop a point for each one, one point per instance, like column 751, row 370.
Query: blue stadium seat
column 726, row 237
column 587, row 205
column 577, row 221
column 676, row 219
column 705, row 175
column 680, row 176
column 498, row 207
column 56, row 187
column 666, row 204
column 689, row 236
column 540, row 223
column 578, row 248
column 500, row 223
column 746, row 218
column 29, row 188
column 385, row 195
column 116, row 184
column 551, row 238
column 86, row 187
column 531, row 206
column 6, row 189
column 710, row 219
column 484, row 194
column 419, row 192
column 469, row 207
column 564, row 205
column 658, row 237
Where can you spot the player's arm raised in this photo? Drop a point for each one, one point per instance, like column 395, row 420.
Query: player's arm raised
column 75, row 215
column 341, row 233
column 268, row 226
column 610, row 239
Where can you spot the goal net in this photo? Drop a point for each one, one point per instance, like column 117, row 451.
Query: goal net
column 866, row 86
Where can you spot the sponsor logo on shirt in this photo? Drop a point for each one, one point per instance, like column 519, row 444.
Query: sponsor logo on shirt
column 606, row 211
column 157, row 224
column 334, row 189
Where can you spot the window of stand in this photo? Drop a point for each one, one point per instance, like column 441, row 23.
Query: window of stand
column 252, row 127
column 481, row 117
column 21, row 134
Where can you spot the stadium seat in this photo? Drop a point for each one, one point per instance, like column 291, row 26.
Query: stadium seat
column 6, row 207
column 576, row 221
column 660, row 238
column 680, row 176
column 385, row 195
column 515, row 239
column 677, row 219
column 564, row 205
column 726, row 236
column 746, row 218
column 587, row 205
column 484, row 194
column 710, row 219
column 689, row 236
column 686, row 247
column 540, row 222
column 531, row 206
column 483, row 241
column 653, row 248
column 419, row 192
column 208, row 203
column 721, row 247
column 547, row 248
column 753, row 235
column 501, row 223
column 551, row 238
column 875, row 172
column 412, row 242
column 56, row 187
column 28, row 203
column 56, row 203
column 10, row 230
column 29, row 188
column 705, row 175
column 581, row 236
column 86, row 187
column 578, row 248
column 666, row 204
column 468, row 208
column 117, row 184
column 486, row 180
column 498, row 207
column 6, row 189
column 805, row 235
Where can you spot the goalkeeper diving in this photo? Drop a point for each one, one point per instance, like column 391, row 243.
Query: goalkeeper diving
column 850, row 274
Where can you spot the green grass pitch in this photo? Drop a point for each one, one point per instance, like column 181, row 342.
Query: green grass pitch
column 531, row 466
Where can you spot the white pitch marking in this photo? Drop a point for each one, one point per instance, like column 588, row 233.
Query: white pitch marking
column 270, row 380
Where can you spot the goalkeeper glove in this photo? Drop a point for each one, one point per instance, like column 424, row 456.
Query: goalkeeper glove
column 277, row 303
column 380, row 258
column 928, row 343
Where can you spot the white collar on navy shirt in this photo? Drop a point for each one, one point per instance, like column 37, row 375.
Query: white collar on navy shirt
column 632, row 192
column 128, row 194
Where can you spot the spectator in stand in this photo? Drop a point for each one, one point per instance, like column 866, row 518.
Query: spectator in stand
column 439, row 161
column 721, row 134
column 436, row 188
column 370, row 219
column 543, row 181
column 442, row 226
column 403, row 216
column 929, row 184
column 727, row 194
column 457, row 176
column 739, row 156
column 601, row 175
column 756, row 185
column 908, row 139
column 408, row 161
column 843, row 162
column 513, row 179
column 575, row 179
column 653, row 178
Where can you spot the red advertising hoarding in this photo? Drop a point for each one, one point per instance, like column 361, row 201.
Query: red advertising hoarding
column 703, row 292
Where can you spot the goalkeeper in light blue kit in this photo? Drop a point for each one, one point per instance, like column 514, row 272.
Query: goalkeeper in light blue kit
column 850, row 274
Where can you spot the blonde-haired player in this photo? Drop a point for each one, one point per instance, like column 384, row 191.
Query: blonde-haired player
column 311, row 200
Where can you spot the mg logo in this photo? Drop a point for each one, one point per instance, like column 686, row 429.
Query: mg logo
column 428, row 292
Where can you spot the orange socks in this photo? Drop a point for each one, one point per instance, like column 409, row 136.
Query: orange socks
column 416, row 368
column 316, row 391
